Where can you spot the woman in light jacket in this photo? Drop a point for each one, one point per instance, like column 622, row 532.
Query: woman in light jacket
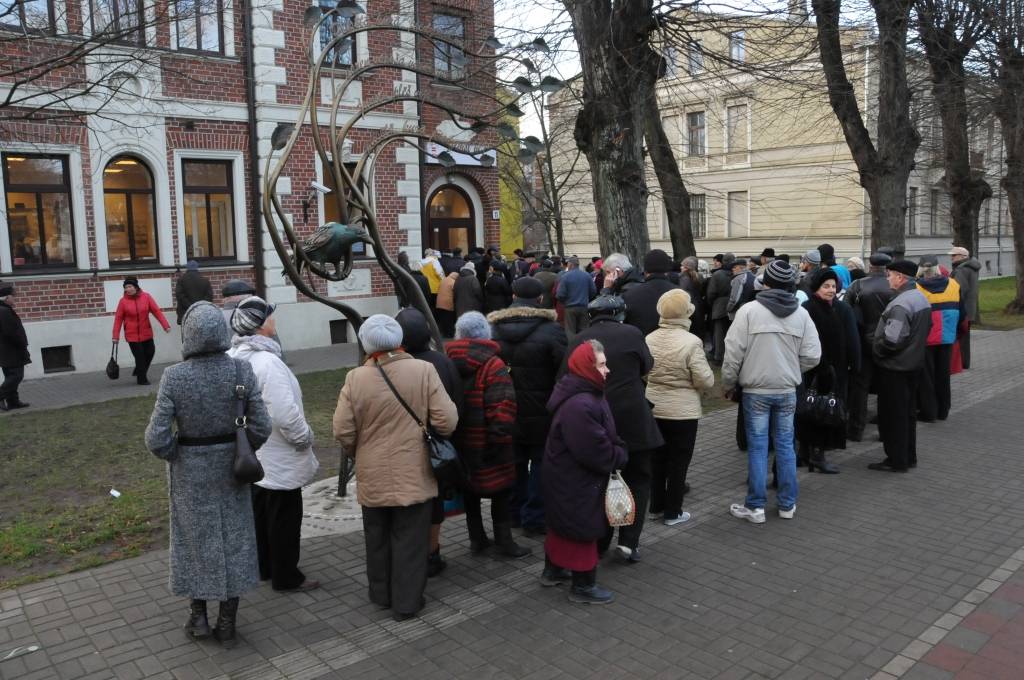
column 395, row 484
column 133, row 314
column 287, row 457
column 680, row 372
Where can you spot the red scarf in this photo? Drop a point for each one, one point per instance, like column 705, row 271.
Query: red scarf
column 377, row 355
column 583, row 362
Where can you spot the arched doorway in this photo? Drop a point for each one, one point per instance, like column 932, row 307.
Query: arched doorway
column 450, row 220
column 130, row 208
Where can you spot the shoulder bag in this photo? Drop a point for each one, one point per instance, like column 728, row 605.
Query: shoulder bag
column 619, row 505
column 113, row 370
column 444, row 459
column 815, row 407
column 246, row 468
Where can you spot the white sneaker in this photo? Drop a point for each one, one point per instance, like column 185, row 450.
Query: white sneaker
column 683, row 517
column 787, row 514
column 743, row 512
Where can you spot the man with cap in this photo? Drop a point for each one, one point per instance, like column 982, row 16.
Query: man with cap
column 14, row 354
column 809, row 261
column 767, row 255
column 287, row 456
column 191, row 288
column 770, row 345
column 719, row 289
column 642, row 298
column 965, row 272
column 547, row 275
column 899, row 345
column 868, row 296
column 533, row 347
column 828, row 259
column 575, row 291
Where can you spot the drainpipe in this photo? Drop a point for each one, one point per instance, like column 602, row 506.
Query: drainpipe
column 254, row 158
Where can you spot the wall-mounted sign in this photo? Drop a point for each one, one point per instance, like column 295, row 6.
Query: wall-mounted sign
column 434, row 149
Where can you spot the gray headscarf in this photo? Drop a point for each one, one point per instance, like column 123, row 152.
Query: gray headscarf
column 204, row 331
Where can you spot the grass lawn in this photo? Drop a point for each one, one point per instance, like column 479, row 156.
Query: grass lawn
column 56, row 511
column 993, row 296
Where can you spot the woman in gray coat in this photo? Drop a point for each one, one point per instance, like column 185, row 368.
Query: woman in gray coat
column 213, row 539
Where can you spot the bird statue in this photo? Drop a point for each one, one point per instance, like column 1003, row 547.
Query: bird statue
column 333, row 243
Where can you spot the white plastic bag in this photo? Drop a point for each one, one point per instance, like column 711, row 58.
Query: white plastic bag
column 619, row 505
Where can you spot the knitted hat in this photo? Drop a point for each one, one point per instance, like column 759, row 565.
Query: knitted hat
column 380, row 333
column 527, row 287
column 237, row 287
column 472, row 325
column 856, row 262
column 6, row 289
column 192, row 266
column 131, row 281
column 778, row 274
column 675, row 304
column 819, row 277
column 879, row 259
column 657, row 262
column 250, row 315
column 905, row 267
column 768, row 252
column 828, row 253
column 812, row 256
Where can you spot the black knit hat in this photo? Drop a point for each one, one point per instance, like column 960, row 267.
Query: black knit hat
column 657, row 262
column 820, row 276
column 131, row 281
column 527, row 287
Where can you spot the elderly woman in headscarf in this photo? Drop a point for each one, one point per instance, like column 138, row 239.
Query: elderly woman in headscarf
column 394, row 481
column 582, row 450
column 193, row 428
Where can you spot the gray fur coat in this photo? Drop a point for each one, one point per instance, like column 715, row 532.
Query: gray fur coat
column 213, row 539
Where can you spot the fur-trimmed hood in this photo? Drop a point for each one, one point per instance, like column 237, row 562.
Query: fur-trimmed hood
column 522, row 312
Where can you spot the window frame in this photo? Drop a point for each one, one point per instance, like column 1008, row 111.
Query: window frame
column 912, row 201
column 935, row 198
column 51, row 25
column 703, row 212
column 326, row 6
column 228, row 188
column 198, row 20
column 738, row 47
column 120, row 36
column 703, row 137
column 37, row 190
column 449, row 73
column 133, row 259
column 695, row 58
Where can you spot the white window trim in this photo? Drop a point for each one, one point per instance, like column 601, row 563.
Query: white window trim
column 471, row 191
column 728, row 221
column 238, row 198
column 229, row 29
column 321, row 198
column 362, row 44
column 76, row 189
column 705, row 211
column 725, row 117
column 157, row 164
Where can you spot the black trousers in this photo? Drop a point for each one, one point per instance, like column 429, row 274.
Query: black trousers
column 13, row 376
column 278, row 516
column 501, row 512
column 897, row 415
column 933, row 392
column 720, row 328
column 397, row 548
column 965, row 347
column 143, row 353
column 637, row 475
column 669, row 465
column 858, row 391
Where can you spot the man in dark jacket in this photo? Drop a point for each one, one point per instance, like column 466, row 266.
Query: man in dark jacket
column 547, row 276
column 452, row 263
column 719, row 288
column 642, row 300
column 899, row 345
column 404, row 298
column 469, row 296
column 575, row 291
column 14, row 354
column 868, row 297
column 619, row 275
column 533, row 347
column 965, row 272
column 629, row 360
column 191, row 288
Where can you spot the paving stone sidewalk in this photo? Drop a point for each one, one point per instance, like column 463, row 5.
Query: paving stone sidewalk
column 879, row 576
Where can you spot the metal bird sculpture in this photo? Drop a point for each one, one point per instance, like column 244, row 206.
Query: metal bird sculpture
column 333, row 243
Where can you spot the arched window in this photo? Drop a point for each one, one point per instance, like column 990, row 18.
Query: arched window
column 131, row 211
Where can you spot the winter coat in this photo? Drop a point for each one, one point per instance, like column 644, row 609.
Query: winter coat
column 406, row 297
column 966, row 274
column 694, row 287
column 469, row 296
column 719, row 287
column 497, row 293
column 576, row 288
column 582, row 450
column 943, row 294
column 446, row 293
column 831, row 372
column 392, row 467
column 287, row 456
column 432, row 270
column 212, row 538
column 13, row 341
column 484, row 435
column 642, row 302
column 901, row 336
column 548, row 280
column 770, row 345
column 533, row 347
column 680, row 371
column 868, row 298
column 629, row 361
column 451, row 264
column 191, row 288
column 133, row 313
column 629, row 280
column 741, row 291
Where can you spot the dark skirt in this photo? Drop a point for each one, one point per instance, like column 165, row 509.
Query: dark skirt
column 569, row 554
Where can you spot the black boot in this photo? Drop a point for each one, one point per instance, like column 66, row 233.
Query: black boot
column 818, row 461
column 14, row 403
column 507, row 545
column 198, row 627
column 553, row 575
column 435, row 563
column 586, row 591
column 478, row 541
column 225, row 629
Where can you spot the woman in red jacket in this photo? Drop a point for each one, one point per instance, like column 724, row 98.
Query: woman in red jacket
column 133, row 313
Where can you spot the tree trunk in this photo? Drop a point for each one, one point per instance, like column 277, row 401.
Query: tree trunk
column 673, row 189
column 1010, row 111
column 1013, row 183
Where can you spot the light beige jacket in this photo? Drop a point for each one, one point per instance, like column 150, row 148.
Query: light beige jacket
column 446, row 292
column 680, row 371
column 392, row 467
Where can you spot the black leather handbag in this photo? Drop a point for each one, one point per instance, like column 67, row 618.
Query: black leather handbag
column 113, row 370
column 815, row 407
column 246, row 468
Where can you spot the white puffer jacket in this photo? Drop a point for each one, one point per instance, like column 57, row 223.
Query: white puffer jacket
column 287, row 457
column 680, row 371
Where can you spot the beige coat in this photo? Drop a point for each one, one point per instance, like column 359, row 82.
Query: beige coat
column 392, row 468
column 680, row 371
column 446, row 292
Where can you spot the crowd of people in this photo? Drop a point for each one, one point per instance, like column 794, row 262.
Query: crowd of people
column 554, row 376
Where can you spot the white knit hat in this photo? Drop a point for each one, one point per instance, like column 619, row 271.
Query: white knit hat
column 380, row 333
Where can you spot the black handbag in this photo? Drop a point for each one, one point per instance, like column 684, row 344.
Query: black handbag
column 444, row 459
column 113, row 370
column 815, row 407
column 246, row 468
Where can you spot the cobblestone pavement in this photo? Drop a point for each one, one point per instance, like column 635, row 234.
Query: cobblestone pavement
column 880, row 576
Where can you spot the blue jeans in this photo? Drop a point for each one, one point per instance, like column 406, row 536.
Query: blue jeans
column 527, row 506
column 774, row 412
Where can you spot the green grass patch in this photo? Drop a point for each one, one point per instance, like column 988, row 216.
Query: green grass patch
column 993, row 296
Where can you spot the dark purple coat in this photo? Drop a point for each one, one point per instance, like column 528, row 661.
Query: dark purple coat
column 582, row 451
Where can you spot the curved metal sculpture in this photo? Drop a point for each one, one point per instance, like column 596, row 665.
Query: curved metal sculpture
column 333, row 242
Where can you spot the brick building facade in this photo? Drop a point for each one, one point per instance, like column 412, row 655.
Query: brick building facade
column 162, row 173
